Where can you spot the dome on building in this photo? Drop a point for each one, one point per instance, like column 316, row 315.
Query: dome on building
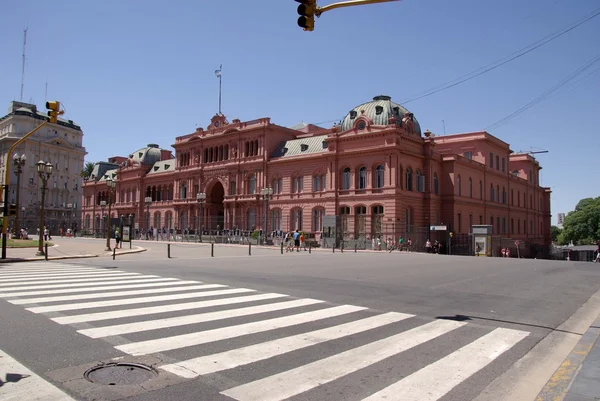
column 148, row 155
column 379, row 110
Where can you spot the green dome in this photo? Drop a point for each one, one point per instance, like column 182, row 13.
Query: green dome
column 379, row 110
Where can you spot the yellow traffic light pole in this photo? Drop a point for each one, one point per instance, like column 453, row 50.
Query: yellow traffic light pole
column 53, row 116
column 350, row 3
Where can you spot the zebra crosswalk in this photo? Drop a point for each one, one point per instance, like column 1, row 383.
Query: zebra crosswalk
column 203, row 329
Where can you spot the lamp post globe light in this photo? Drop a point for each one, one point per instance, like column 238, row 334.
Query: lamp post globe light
column 112, row 184
column 44, row 171
column 19, row 162
column 148, row 202
column 102, row 206
column 200, row 197
column 266, row 194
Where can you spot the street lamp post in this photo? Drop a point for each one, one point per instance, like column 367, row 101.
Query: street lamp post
column 70, row 207
column 148, row 201
column 112, row 184
column 102, row 206
column 200, row 197
column 266, row 194
column 44, row 171
column 19, row 162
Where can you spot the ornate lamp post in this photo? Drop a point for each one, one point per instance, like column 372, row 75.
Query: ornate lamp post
column 112, row 184
column 200, row 197
column 266, row 194
column 19, row 162
column 44, row 171
column 102, row 206
column 148, row 202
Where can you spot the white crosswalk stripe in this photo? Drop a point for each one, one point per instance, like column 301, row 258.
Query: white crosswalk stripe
column 64, row 289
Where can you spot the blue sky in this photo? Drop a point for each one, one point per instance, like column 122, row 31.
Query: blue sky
column 137, row 72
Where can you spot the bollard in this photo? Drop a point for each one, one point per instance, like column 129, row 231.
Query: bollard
column 355, row 247
column 282, row 248
column 309, row 246
column 333, row 248
column 46, row 252
column 249, row 248
column 212, row 250
column 169, row 251
column 342, row 247
column 114, row 251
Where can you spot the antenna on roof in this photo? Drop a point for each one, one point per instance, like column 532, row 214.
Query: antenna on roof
column 23, row 65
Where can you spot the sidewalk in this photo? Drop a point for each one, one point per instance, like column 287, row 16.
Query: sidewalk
column 578, row 377
column 68, row 248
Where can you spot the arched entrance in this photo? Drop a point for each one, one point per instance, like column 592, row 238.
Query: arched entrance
column 216, row 210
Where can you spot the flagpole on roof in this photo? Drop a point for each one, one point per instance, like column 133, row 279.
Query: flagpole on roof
column 218, row 74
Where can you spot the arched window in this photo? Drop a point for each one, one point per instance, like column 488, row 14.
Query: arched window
column 470, row 187
column 379, row 176
column 409, row 182
column 296, row 219
column 362, row 178
column 360, row 221
column 251, row 184
column 344, row 213
column 376, row 220
column 183, row 191
column 317, row 219
column 346, row 176
column 276, row 219
column 251, row 219
column 458, row 185
column 275, row 186
column 420, row 181
column 436, row 184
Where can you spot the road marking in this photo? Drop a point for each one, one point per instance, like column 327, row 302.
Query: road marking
column 54, row 276
column 242, row 356
column 295, row 381
column 93, row 317
column 42, row 287
column 99, row 332
column 22, row 384
column 61, row 272
column 203, row 337
column 62, row 298
column 104, row 277
column 148, row 283
column 139, row 300
column 436, row 380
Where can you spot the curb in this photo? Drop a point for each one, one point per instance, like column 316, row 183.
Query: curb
column 557, row 387
column 86, row 256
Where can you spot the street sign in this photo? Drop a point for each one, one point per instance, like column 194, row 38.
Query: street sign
column 438, row 228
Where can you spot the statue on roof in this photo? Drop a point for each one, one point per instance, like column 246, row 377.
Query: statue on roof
column 408, row 122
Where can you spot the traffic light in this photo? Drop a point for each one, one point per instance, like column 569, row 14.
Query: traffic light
column 307, row 10
column 12, row 209
column 54, row 107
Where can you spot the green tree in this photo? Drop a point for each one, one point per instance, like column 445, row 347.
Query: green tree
column 582, row 226
column 555, row 233
column 87, row 170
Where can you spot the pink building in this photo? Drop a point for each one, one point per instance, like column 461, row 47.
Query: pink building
column 376, row 170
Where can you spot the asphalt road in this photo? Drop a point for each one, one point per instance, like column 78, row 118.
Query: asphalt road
column 299, row 326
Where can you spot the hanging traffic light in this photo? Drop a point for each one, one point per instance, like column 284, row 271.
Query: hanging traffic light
column 306, row 10
column 54, row 110
column 12, row 209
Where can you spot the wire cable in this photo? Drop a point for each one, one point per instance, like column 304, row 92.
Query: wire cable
column 544, row 95
column 500, row 62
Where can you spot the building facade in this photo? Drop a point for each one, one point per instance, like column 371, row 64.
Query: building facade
column 376, row 171
column 60, row 144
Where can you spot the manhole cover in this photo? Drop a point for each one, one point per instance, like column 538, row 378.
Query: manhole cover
column 120, row 374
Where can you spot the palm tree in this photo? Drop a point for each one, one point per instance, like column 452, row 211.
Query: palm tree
column 87, row 170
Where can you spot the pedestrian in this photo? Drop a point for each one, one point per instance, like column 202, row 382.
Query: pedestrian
column 297, row 240
column 428, row 246
column 117, row 238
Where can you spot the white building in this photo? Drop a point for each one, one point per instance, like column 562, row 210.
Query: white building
column 561, row 220
column 60, row 144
